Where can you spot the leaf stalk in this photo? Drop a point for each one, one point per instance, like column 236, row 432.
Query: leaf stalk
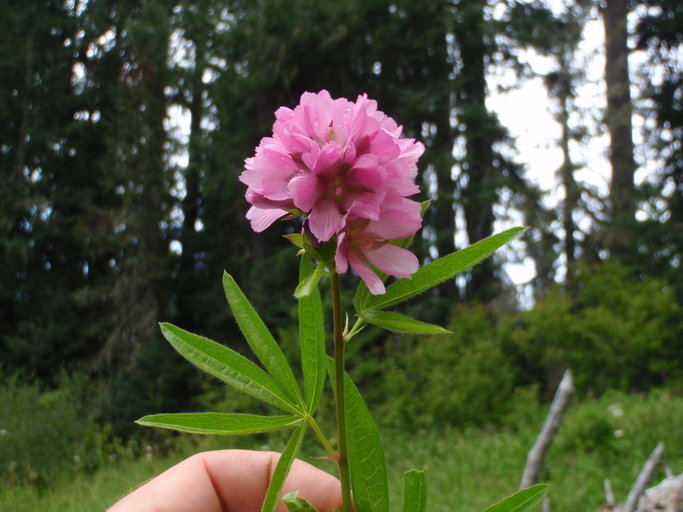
column 321, row 437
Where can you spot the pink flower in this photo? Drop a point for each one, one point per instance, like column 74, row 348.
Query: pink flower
column 343, row 165
column 365, row 242
column 325, row 156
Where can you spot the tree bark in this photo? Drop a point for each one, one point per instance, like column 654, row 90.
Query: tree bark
column 567, row 168
column 479, row 129
column 619, row 124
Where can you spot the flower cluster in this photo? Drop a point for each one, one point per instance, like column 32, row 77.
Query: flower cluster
column 343, row 165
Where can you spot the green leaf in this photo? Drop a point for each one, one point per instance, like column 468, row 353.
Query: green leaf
column 311, row 251
column 219, row 423
column 367, row 464
column 259, row 338
column 369, row 481
column 521, row 501
column 282, row 468
column 414, row 491
column 296, row 504
column 311, row 340
column 229, row 366
column 400, row 323
column 297, row 239
column 424, row 206
column 309, row 283
column 440, row 270
column 363, row 295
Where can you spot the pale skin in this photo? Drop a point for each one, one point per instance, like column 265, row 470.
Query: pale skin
column 229, row 481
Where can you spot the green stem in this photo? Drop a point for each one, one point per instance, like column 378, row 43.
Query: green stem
column 321, row 437
column 357, row 327
column 342, row 457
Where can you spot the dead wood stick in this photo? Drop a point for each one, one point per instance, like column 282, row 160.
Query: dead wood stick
column 534, row 460
column 668, row 471
column 609, row 493
column 643, row 478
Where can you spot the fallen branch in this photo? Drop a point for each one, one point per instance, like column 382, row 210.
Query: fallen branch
column 534, row 460
column 643, row 478
column 609, row 493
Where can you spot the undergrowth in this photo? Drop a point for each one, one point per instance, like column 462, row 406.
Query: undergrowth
column 468, row 469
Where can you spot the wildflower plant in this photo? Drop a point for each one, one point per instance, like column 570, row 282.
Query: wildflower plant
column 344, row 170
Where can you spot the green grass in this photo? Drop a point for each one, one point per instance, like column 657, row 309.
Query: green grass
column 86, row 493
column 466, row 470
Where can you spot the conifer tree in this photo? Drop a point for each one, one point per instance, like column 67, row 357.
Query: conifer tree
column 618, row 120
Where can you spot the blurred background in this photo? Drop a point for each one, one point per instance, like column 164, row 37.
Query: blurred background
column 125, row 125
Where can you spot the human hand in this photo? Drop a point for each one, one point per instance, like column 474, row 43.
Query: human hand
column 229, row 480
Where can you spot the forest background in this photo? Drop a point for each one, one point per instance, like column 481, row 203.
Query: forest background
column 124, row 127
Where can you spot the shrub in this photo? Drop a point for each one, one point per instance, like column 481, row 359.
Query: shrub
column 462, row 378
column 615, row 331
column 42, row 433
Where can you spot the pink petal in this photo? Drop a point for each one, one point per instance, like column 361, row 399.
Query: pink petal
column 366, row 173
column 373, row 282
column 325, row 219
column 401, row 178
column 410, row 150
column 349, row 153
column 260, row 201
column 341, row 260
column 397, row 219
column 326, row 160
column 284, row 114
column 342, row 111
column 305, row 190
column 314, row 114
column 364, row 204
column 269, row 171
column 384, row 145
column 295, row 142
column 261, row 219
column 392, row 260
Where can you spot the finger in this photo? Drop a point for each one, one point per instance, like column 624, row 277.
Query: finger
column 232, row 480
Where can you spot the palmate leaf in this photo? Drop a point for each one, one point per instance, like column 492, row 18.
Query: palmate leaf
column 414, row 491
column 219, row 423
column 259, row 338
column 311, row 339
column 282, row 468
column 230, row 367
column 439, row 271
column 367, row 464
column 522, row 501
column 400, row 323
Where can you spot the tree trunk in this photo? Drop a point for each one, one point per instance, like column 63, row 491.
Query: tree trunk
column 479, row 131
column 618, row 121
column 567, row 169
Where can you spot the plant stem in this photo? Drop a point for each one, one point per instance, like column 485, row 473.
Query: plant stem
column 321, row 437
column 342, row 457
